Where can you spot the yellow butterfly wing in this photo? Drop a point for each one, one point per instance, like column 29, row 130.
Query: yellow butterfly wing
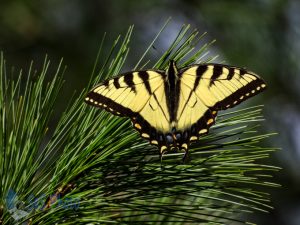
column 139, row 95
column 205, row 89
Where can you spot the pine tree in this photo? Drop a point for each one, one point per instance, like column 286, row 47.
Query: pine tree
column 94, row 169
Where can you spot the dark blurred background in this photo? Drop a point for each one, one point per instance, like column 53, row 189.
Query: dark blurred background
column 262, row 35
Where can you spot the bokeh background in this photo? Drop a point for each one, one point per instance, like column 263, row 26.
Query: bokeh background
column 262, row 35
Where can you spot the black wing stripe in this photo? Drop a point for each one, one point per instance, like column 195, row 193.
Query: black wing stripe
column 128, row 79
column 217, row 71
column 145, row 77
column 202, row 122
column 242, row 71
column 231, row 73
column 245, row 92
column 201, row 70
column 197, row 81
column 108, row 104
column 116, row 83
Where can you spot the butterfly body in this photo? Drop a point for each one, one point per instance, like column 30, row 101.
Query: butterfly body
column 175, row 107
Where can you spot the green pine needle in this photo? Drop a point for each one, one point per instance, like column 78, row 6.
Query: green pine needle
column 96, row 162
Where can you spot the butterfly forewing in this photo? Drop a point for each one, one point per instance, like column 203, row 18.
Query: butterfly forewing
column 127, row 94
column 221, row 86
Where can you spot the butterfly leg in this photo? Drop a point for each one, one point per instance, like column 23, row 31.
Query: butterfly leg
column 185, row 157
column 161, row 163
column 163, row 150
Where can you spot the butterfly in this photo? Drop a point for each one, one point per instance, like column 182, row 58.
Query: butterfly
column 173, row 108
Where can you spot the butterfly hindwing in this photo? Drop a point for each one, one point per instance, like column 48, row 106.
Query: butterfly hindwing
column 193, row 117
column 153, row 119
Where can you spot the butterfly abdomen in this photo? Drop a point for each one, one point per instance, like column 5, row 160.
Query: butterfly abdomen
column 172, row 87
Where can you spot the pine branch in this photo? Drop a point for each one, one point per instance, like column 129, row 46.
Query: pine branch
column 96, row 170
